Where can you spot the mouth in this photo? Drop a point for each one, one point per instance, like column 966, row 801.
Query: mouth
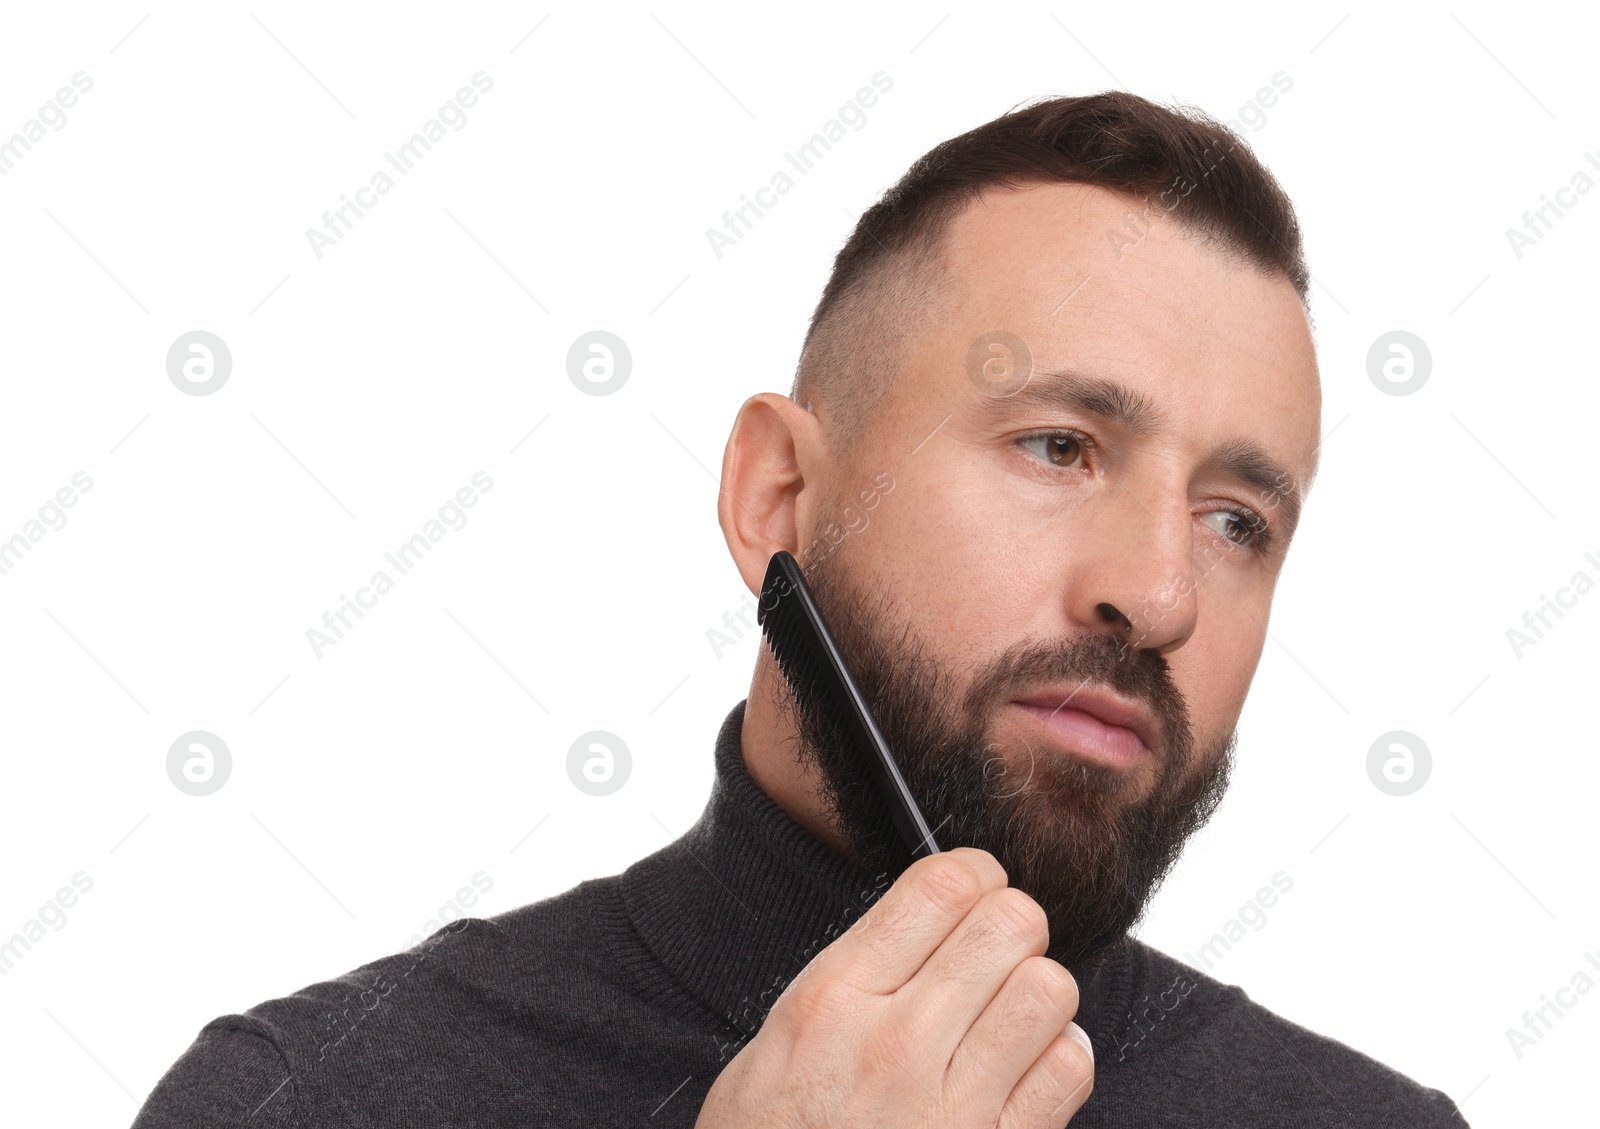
column 1093, row 724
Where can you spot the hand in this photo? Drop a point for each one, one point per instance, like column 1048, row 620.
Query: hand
column 936, row 1008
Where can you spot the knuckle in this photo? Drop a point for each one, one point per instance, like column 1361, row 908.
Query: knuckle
column 1048, row 980
column 984, row 864
column 950, row 883
column 1016, row 916
column 1070, row 1066
column 817, row 1002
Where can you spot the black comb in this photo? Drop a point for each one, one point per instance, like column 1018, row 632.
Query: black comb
column 810, row 660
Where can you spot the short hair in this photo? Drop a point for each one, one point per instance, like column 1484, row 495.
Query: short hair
column 888, row 279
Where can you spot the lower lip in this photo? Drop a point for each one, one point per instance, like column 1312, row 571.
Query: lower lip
column 1087, row 735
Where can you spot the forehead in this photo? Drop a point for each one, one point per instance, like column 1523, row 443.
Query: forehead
column 1093, row 287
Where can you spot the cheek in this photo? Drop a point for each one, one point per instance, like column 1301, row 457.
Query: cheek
column 951, row 558
column 1215, row 668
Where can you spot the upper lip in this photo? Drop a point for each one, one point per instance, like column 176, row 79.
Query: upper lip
column 1108, row 708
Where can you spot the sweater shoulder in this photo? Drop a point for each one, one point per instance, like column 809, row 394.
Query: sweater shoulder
column 300, row 1058
column 1214, row 1047
column 232, row 1073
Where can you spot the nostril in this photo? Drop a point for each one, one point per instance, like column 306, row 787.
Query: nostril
column 1110, row 614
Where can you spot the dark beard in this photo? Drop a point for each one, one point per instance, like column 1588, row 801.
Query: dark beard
column 1069, row 833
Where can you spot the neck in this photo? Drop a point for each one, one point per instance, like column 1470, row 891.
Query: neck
column 769, row 745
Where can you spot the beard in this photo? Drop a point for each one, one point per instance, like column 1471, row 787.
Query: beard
column 1081, row 838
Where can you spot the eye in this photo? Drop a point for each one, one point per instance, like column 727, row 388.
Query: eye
column 1062, row 449
column 1244, row 528
column 1067, row 450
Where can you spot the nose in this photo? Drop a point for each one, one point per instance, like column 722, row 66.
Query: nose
column 1133, row 572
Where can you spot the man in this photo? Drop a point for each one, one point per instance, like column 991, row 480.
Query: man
column 1048, row 443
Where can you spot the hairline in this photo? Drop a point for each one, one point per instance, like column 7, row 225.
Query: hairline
column 894, row 278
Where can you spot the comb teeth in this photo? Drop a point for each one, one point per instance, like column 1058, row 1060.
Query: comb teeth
column 809, row 658
column 791, row 635
column 783, row 637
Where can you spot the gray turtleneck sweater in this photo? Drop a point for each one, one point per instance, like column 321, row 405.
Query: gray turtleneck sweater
column 619, row 1001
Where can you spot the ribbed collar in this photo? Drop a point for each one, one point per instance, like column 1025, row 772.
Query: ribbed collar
column 737, row 905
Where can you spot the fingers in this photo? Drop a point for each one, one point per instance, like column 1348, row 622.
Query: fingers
column 1030, row 1010
column 943, row 979
column 966, row 973
column 892, row 940
column 1055, row 1086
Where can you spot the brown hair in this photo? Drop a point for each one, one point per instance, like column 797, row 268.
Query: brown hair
column 887, row 279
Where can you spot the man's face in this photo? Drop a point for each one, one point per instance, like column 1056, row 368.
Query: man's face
column 1086, row 529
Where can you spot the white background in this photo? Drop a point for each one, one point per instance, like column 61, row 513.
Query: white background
column 370, row 784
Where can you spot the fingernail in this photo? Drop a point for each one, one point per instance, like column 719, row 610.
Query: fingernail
column 1082, row 1036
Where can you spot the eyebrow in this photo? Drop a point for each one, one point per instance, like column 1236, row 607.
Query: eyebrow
column 1239, row 458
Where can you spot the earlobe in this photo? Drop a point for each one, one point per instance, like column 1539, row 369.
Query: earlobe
column 764, row 502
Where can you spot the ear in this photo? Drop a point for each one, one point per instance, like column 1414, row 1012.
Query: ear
column 774, row 474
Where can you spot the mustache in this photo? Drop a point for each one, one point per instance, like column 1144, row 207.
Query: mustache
column 1087, row 661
